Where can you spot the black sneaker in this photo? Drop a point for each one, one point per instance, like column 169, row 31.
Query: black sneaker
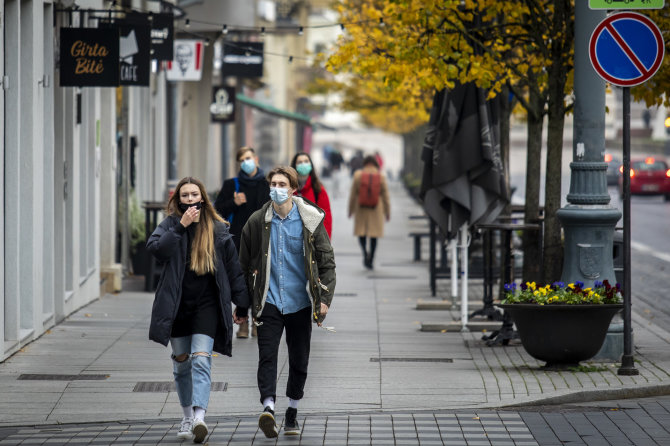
column 291, row 426
column 266, row 422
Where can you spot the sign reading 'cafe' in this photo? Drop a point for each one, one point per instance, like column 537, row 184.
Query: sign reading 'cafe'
column 89, row 57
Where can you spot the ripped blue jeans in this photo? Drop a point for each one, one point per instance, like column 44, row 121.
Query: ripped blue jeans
column 192, row 376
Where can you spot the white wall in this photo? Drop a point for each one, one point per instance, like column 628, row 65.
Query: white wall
column 50, row 245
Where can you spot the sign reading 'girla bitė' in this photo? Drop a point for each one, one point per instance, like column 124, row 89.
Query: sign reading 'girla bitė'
column 89, row 57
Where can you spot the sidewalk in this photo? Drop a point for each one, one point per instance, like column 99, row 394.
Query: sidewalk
column 378, row 374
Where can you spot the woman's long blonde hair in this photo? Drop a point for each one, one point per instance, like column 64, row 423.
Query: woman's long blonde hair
column 203, row 254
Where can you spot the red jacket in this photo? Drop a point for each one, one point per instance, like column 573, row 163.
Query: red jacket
column 323, row 202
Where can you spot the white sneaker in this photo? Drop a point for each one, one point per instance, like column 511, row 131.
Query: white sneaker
column 199, row 431
column 185, row 429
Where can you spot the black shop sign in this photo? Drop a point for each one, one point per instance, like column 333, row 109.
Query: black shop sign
column 89, row 57
column 242, row 59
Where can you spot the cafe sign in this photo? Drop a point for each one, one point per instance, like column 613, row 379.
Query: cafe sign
column 89, row 57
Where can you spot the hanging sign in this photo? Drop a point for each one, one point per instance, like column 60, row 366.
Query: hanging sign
column 187, row 62
column 162, row 37
column 626, row 49
column 242, row 59
column 223, row 105
column 135, row 54
column 89, row 57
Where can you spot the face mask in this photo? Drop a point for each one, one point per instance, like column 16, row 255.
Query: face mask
column 248, row 166
column 279, row 194
column 184, row 206
column 303, row 169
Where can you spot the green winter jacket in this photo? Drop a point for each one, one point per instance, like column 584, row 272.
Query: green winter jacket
column 319, row 258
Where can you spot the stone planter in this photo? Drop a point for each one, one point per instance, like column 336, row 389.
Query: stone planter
column 561, row 335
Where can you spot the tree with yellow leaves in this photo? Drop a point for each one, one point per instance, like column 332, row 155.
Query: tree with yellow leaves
column 397, row 51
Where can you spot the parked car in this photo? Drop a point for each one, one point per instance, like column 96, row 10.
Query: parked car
column 613, row 173
column 648, row 176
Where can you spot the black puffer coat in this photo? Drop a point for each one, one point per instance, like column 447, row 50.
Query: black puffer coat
column 168, row 244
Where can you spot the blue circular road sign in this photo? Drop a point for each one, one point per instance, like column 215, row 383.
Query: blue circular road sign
column 626, row 49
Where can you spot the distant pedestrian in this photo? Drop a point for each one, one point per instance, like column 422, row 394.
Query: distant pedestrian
column 240, row 197
column 311, row 188
column 356, row 162
column 192, row 308
column 380, row 160
column 370, row 205
column 290, row 271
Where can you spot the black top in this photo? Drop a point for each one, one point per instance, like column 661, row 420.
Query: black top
column 199, row 306
column 257, row 191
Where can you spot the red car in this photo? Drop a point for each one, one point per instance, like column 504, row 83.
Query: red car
column 648, row 176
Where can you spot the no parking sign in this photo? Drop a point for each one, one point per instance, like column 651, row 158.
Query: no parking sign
column 626, row 49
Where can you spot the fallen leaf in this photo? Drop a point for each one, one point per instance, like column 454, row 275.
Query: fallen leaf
column 87, row 315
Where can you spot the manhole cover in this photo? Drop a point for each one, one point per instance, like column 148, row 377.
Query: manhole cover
column 391, row 359
column 168, row 386
column 51, row 377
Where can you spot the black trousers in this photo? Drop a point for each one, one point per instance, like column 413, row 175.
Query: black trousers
column 298, row 328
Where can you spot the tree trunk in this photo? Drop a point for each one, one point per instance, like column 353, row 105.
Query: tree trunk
column 552, row 260
column 532, row 255
column 553, row 247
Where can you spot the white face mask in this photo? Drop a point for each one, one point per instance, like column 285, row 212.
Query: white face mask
column 279, row 194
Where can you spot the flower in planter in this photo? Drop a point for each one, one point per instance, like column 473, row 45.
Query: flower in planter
column 560, row 293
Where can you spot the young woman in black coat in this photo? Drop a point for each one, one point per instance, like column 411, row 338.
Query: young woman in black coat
column 192, row 309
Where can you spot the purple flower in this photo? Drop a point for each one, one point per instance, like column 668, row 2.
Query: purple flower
column 597, row 284
column 579, row 284
column 524, row 287
column 557, row 285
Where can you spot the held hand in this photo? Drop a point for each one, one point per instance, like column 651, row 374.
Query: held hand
column 239, row 198
column 189, row 216
column 324, row 311
column 239, row 320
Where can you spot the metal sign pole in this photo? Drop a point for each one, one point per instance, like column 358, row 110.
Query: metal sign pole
column 627, row 362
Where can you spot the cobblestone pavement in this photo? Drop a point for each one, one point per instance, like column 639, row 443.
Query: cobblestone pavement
column 644, row 424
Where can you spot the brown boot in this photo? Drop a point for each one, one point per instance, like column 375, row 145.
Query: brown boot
column 254, row 332
column 243, row 331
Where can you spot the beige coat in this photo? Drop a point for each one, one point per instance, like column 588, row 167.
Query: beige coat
column 369, row 222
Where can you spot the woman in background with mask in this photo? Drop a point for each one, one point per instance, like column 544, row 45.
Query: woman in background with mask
column 240, row 197
column 311, row 188
column 192, row 308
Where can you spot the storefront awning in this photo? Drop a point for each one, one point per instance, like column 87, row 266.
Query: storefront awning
column 298, row 117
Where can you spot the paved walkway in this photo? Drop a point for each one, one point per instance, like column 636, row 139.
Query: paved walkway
column 96, row 379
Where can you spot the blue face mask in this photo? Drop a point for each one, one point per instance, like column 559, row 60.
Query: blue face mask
column 303, row 169
column 279, row 194
column 248, row 166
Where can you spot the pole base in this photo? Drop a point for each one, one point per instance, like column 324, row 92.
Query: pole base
column 627, row 366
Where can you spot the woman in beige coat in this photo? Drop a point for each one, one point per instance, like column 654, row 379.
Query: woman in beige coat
column 370, row 205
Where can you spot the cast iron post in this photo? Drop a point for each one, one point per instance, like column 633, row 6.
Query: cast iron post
column 588, row 220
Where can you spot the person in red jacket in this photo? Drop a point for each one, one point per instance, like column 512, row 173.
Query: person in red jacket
column 311, row 188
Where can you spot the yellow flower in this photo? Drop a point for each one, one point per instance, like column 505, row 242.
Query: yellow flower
column 571, row 286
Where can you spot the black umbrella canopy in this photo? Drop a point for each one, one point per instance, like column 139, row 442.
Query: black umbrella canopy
column 463, row 179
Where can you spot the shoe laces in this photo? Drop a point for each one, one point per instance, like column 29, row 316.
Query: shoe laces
column 186, row 424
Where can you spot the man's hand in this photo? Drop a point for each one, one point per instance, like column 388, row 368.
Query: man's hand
column 324, row 311
column 239, row 198
column 239, row 320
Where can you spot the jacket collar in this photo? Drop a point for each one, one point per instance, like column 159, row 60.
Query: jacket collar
column 310, row 215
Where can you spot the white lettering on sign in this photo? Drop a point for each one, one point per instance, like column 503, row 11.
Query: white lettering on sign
column 242, row 59
column 129, row 73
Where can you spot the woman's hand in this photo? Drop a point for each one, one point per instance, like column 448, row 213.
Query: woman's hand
column 189, row 216
column 239, row 320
